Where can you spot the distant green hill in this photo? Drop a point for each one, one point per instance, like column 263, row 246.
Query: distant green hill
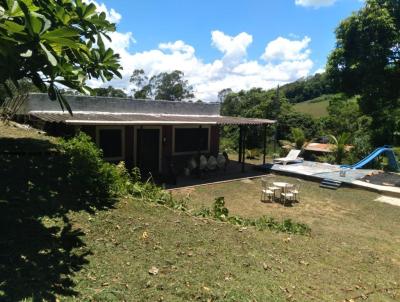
column 307, row 88
column 315, row 107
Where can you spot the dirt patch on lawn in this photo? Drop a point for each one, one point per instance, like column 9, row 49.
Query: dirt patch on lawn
column 384, row 179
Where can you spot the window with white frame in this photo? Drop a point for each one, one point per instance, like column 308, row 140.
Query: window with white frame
column 111, row 141
column 191, row 139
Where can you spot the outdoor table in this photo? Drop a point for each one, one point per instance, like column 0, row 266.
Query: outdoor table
column 281, row 186
column 277, row 186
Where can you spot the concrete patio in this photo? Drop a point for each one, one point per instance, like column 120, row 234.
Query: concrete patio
column 319, row 171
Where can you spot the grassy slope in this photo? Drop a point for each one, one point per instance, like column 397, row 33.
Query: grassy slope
column 316, row 107
column 105, row 255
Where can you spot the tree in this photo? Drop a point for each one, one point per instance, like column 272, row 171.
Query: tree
column 343, row 115
column 25, row 86
column 298, row 137
column 54, row 42
column 109, row 92
column 141, row 81
column 340, row 146
column 366, row 61
column 223, row 94
column 307, row 88
column 164, row 86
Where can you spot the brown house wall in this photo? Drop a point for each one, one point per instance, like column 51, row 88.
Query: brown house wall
column 167, row 157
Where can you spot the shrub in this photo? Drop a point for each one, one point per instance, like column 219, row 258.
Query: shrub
column 298, row 137
column 89, row 176
column 221, row 213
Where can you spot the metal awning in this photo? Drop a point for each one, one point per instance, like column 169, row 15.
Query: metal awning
column 106, row 118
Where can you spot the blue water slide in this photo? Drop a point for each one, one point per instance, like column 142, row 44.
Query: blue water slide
column 387, row 150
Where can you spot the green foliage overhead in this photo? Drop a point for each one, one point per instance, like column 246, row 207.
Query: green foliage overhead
column 164, row 86
column 54, row 42
column 366, row 62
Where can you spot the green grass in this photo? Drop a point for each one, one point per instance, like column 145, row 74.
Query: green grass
column 316, row 107
column 54, row 247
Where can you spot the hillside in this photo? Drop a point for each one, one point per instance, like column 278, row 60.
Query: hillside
column 316, row 107
column 59, row 244
column 308, row 88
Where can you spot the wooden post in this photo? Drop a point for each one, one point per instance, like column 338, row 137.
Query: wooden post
column 243, row 148
column 240, row 143
column 275, row 137
column 265, row 143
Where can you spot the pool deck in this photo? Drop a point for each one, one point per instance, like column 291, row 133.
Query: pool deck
column 320, row 171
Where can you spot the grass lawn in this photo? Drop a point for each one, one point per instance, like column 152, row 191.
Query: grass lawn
column 316, row 107
column 54, row 247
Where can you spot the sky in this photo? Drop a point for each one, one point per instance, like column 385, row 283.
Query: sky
column 218, row 44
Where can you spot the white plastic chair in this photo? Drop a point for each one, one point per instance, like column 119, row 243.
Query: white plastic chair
column 202, row 163
column 212, row 163
column 192, row 164
column 287, row 195
column 296, row 192
column 274, row 189
column 265, row 191
column 221, row 161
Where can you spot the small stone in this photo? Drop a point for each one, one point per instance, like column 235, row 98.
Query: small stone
column 153, row 271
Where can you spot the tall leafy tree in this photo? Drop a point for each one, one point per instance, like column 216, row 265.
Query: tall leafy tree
column 366, row 61
column 164, row 86
column 109, row 92
column 54, row 42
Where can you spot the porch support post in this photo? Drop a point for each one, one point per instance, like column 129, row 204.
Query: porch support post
column 243, row 148
column 240, row 143
column 265, row 143
column 275, row 136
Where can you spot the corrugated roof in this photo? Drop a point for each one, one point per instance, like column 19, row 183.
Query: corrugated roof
column 104, row 118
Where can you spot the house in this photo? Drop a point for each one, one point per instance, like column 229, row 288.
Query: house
column 152, row 135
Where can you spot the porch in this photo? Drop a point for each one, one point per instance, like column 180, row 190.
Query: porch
column 235, row 170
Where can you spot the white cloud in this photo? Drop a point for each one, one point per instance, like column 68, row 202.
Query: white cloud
column 233, row 48
column 285, row 49
column 283, row 61
column 111, row 14
column 315, row 3
column 319, row 70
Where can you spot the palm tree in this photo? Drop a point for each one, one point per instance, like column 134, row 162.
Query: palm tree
column 298, row 137
column 340, row 146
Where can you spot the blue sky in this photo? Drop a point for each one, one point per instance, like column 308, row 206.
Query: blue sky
column 220, row 43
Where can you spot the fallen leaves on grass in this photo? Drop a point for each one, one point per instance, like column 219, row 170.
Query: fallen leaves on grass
column 145, row 235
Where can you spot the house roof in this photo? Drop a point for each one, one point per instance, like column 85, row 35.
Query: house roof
column 326, row 148
column 108, row 118
column 89, row 110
